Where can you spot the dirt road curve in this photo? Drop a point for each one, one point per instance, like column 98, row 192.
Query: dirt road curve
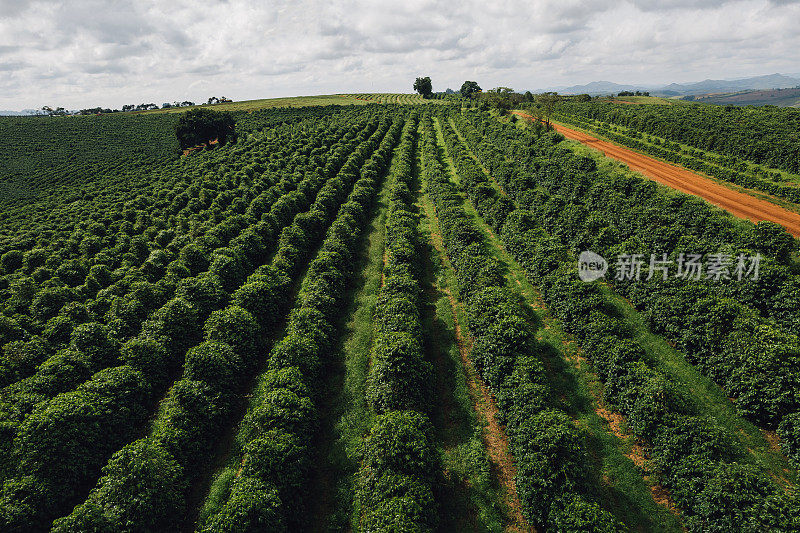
column 737, row 203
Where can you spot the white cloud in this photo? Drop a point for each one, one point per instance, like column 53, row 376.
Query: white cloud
column 81, row 53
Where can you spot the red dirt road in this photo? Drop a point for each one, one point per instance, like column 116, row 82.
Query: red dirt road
column 737, row 203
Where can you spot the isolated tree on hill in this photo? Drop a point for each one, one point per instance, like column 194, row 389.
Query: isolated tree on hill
column 548, row 101
column 423, row 86
column 201, row 126
column 470, row 88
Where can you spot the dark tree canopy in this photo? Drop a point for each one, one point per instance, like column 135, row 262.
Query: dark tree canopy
column 201, row 126
column 423, row 86
column 468, row 88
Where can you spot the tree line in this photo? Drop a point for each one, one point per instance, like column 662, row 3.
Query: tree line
column 61, row 111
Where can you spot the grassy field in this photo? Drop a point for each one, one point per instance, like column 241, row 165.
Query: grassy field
column 266, row 103
column 303, row 101
column 393, row 98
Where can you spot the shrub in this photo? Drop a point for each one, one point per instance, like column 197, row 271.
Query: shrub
column 229, row 269
column 64, row 370
column 155, row 265
column 497, row 347
column 204, row 292
column 728, row 498
column 194, row 258
column 398, row 375
column 263, row 296
column 34, row 259
column 93, row 340
column 252, row 506
column 177, row 322
column 214, row 363
column 773, row 240
column 20, row 358
column 71, row 272
column 80, row 429
column 280, row 409
column 141, row 485
column 236, row 327
column 191, row 408
column 10, row 261
column 573, row 513
column 10, row 330
column 401, row 442
column 48, row 302
column 75, row 311
column 789, row 431
column 279, row 457
column 395, row 502
column 149, row 356
column 551, row 461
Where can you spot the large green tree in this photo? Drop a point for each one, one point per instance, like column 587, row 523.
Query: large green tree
column 201, row 126
column 423, row 86
column 548, row 102
column 469, row 88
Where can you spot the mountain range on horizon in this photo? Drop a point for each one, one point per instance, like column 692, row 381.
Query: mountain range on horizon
column 23, row 113
column 770, row 81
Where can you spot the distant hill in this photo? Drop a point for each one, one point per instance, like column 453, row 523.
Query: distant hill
column 24, row 112
column 776, row 97
column 596, row 88
column 771, row 81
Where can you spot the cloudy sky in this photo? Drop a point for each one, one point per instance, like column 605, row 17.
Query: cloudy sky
column 84, row 53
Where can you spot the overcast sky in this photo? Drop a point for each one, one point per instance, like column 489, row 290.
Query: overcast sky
column 84, row 53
